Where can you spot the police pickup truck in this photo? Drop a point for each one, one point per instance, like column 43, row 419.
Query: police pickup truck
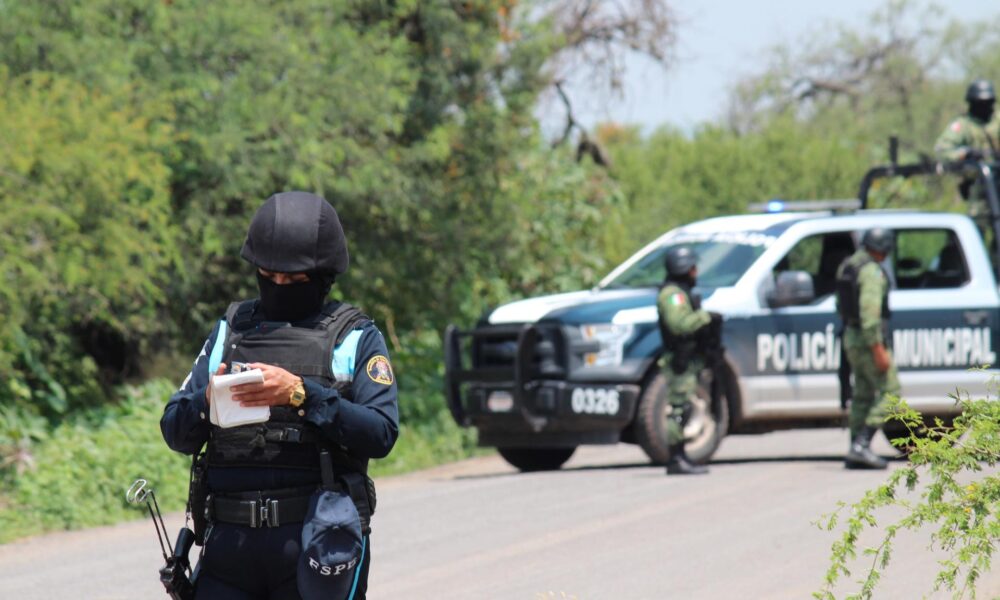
column 538, row 377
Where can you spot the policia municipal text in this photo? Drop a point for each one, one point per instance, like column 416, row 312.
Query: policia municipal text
column 284, row 506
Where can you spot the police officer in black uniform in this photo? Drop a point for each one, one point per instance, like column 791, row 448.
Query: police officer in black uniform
column 333, row 406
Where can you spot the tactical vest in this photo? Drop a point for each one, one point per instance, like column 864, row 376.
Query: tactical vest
column 849, row 294
column 305, row 349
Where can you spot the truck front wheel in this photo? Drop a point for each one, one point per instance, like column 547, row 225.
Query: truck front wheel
column 536, row 459
column 702, row 434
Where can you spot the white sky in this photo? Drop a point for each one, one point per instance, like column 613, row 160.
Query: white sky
column 718, row 42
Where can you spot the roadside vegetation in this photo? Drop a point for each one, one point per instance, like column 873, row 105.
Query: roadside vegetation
column 949, row 487
column 137, row 138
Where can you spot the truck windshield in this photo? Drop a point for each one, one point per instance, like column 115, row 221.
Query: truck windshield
column 720, row 262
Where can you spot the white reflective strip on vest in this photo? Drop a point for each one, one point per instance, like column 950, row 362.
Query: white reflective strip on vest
column 345, row 355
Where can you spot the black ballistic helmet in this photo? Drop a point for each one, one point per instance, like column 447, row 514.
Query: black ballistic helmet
column 980, row 90
column 680, row 261
column 296, row 232
column 878, row 240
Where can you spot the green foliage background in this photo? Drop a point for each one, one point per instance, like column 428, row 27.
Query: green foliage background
column 137, row 137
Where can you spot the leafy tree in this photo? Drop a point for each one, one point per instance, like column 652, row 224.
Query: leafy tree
column 671, row 178
column 413, row 118
column 410, row 116
column 85, row 246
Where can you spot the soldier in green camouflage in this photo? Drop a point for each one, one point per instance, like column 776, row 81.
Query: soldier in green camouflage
column 976, row 134
column 863, row 304
column 680, row 319
column 973, row 136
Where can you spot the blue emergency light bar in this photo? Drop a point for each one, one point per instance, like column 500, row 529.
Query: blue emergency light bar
column 777, row 205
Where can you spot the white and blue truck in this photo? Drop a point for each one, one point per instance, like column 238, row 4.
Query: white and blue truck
column 541, row 376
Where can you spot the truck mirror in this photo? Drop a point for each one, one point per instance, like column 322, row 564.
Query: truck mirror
column 792, row 288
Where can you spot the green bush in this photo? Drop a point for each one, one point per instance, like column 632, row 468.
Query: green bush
column 78, row 476
column 428, row 435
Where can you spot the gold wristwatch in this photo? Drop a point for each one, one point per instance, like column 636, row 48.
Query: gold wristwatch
column 298, row 395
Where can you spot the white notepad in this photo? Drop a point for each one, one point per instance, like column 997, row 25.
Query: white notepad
column 225, row 412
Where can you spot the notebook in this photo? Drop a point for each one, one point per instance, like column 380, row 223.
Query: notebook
column 225, row 412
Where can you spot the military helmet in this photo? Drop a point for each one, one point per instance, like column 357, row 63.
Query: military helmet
column 980, row 90
column 296, row 232
column 680, row 261
column 878, row 240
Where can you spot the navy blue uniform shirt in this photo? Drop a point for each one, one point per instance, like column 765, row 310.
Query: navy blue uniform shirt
column 367, row 426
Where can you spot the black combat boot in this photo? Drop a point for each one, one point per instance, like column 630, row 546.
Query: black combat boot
column 679, row 464
column 860, row 455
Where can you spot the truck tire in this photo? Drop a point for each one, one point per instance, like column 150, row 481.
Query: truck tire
column 536, row 459
column 703, row 432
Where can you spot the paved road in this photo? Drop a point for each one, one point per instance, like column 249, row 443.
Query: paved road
column 607, row 526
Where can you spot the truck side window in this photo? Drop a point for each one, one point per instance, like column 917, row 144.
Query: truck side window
column 929, row 258
column 820, row 256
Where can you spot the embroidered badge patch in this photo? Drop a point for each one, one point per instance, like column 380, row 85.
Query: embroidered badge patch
column 379, row 370
column 677, row 299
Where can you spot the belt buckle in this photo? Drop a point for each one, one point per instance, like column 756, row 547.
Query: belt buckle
column 264, row 513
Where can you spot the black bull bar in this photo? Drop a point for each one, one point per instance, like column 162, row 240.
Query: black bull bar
column 517, row 376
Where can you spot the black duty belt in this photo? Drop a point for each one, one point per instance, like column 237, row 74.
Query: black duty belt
column 260, row 509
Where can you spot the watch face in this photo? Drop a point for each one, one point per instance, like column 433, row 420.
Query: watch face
column 298, row 396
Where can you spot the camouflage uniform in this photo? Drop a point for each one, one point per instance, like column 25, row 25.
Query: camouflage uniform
column 682, row 319
column 965, row 133
column 868, row 406
column 969, row 133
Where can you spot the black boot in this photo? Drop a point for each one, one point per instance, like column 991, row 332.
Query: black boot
column 860, row 455
column 679, row 464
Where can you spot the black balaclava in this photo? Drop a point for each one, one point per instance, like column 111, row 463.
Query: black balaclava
column 292, row 301
column 981, row 110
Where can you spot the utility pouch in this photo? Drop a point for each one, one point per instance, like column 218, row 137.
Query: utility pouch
column 198, row 498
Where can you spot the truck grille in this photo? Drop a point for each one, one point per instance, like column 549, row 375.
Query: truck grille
column 545, row 352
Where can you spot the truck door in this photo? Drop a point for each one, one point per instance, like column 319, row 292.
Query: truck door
column 797, row 350
column 943, row 324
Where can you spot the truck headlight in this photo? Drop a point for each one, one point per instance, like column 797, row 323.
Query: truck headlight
column 610, row 339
